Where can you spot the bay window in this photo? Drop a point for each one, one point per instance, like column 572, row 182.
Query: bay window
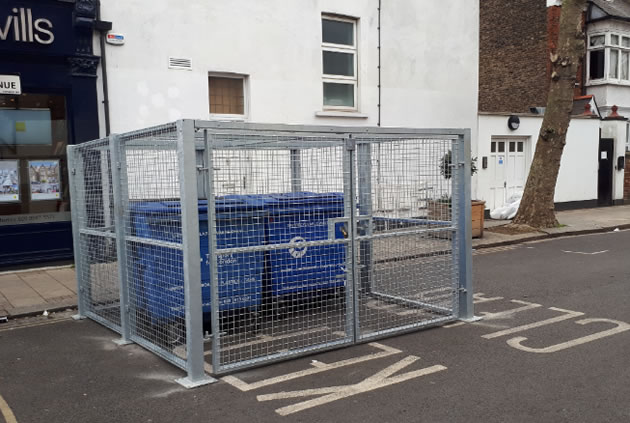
column 609, row 58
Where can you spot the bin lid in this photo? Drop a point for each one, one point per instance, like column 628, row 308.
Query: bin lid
column 161, row 207
column 249, row 203
column 290, row 199
column 308, row 198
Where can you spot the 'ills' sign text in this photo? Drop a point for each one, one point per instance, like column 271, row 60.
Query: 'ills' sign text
column 20, row 26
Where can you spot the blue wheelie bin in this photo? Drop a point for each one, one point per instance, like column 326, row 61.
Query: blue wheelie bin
column 160, row 287
column 296, row 218
column 302, row 217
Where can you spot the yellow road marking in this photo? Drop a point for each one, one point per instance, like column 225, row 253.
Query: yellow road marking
column 8, row 415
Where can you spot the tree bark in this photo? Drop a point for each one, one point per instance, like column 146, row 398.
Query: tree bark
column 537, row 206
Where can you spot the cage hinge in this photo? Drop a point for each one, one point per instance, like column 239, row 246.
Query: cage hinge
column 119, row 165
column 201, row 169
column 461, row 164
column 351, row 145
column 74, row 171
column 462, row 290
column 127, row 309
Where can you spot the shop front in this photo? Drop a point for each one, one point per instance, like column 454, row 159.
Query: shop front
column 48, row 99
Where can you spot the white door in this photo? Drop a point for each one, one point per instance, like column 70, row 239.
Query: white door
column 508, row 167
column 516, row 167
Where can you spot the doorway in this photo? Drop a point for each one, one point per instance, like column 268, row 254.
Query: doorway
column 605, row 173
column 509, row 166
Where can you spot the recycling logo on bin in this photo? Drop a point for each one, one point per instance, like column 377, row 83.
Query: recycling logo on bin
column 296, row 251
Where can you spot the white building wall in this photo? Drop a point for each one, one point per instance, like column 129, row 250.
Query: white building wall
column 430, row 62
column 577, row 180
column 429, row 74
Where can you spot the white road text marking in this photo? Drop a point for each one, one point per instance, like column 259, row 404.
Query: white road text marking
column 320, row 367
column 621, row 327
column 568, row 315
column 479, row 298
column 509, row 313
column 329, row 394
column 586, row 254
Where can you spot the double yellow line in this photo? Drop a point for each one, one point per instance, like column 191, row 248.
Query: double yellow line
column 6, row 412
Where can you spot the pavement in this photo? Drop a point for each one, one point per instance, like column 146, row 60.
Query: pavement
column 551, row 348
column 28, row 292
column 31, row 292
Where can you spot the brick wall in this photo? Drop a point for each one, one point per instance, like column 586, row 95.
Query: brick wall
column 626, row 182
column 513, row 55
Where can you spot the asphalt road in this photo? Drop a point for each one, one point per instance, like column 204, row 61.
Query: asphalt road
column 570, row 368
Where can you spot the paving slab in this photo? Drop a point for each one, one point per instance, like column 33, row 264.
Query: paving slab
column 17, row 292
column 65, row 276
column 3, row 301
column 45, row 285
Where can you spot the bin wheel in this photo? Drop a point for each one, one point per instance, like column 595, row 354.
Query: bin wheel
column 176, row 332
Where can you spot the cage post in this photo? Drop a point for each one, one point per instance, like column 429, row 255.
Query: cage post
column 296, row 171
column 212, row 257
column 120, row 188
column 364, row 170
column 464, row 230
column 186, row 158
column 202, row 187
column 349, row 202
column 77, row 205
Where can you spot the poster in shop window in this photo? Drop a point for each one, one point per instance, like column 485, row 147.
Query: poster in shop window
column 44, row 179
column 9, row 181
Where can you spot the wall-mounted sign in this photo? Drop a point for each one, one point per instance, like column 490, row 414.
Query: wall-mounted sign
column 20, row 25
column 10, row 84
column 37, row 27
column 44, row 179
column 9, row 181
column 115, row 39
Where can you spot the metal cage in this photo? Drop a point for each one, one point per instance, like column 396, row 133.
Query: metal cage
column 220, row 246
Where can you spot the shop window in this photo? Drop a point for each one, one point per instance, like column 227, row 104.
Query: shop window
column 227, row 95
column 33, row 141
column 339, row 63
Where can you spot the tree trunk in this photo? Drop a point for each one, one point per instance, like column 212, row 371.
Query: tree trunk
column 537, row 207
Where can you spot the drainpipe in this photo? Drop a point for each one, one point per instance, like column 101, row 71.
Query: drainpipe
column 103, row 27
column 379, row 64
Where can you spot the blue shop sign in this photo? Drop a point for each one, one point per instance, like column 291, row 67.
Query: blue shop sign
column 40, row 27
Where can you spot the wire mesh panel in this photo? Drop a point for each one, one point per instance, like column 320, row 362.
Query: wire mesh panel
column 278, row 236
column 93, row 218
column 404, row 225
column 153, row 240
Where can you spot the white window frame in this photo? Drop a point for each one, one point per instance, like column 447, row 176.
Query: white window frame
column 342, row 48
column 228, row 116
column 607, row 48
